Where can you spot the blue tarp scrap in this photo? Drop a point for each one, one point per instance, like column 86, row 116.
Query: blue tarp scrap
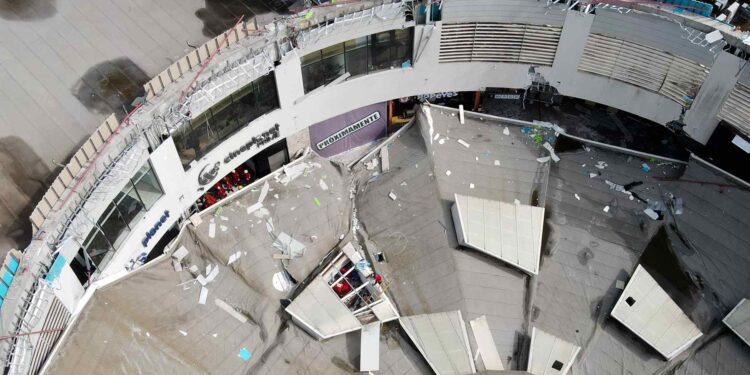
column 245, row 354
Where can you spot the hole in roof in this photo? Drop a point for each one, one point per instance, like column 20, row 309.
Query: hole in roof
column 630, row 301
column 557, row 365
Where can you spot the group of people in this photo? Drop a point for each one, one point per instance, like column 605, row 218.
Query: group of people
column 236, row 180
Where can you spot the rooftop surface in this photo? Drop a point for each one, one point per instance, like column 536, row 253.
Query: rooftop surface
column 694, row 254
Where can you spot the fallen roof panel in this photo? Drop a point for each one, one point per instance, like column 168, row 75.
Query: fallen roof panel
column 509, row 232
column 738, row 320
column 318, row 308
column 442, row 340
column 550, row 354
column 646, row 309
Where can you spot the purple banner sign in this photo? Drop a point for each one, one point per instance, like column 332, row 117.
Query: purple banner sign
column 352, row 129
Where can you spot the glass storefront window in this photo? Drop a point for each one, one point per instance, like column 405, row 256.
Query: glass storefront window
column 205, row 131
column 139, row 194
column 359, row 56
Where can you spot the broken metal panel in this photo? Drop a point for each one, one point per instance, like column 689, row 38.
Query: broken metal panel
column 486, row 344
column 736, row 108
column 369, row 348
column 321, row 310
column 647, row 310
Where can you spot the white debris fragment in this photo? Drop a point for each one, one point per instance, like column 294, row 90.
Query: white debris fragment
column 211, row 276
column 428, row 115
column 606, row 209
column 516, row 202
column 224, row 218
column 551, row 150
column 341, row 237
column 577, row 197
column 180, row 253
column 203, row 296
column 323, row 185
column 208, row 268
column 442, row 141
column 601, row 164
column 234, row 257
column 403, row 183
column 593, row 175
column 263, row 192
column 372, row 164
column 543, row 159
column 448, row 173
column 497, row 163
column 463, row 143
column 223, row 228
column 177, row 265
column 506, row 131
column 471, row 186
column 714, row 36
column 651, row 213
column 193, row 268
column 436, row 137
column 254, row 207
column 281, row 282
column 201, row 280
column 212, row 230
column 461, row 114
column 586, row 148
column 392, row 196
column 183, row 333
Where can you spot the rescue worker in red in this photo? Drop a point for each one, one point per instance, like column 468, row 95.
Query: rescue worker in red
column 210, row 200
column 220, row 192
column 246, row 178
column 235, row 177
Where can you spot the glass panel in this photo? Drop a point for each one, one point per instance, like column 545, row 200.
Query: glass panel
column 223, row 121
column 148, row 187
column 129, row 204
column 312, row 77
column 311, row 58
column 332, row 68
column 97, row 247
column 113, row 225
column 356, row 56
column 333, row 50
column 268, row 98
column 356, row 43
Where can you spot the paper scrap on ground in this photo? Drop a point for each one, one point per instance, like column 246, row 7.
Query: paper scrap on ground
column 281, row 282
column 600, row 164
column 471, row 186
column 211, row 276
column 323, row 185
column 606, row 209
column 177, row 265
column 212, row 230
column 577, row 197
column 233, row 258
column 183, row 333
column 497, row 163
column 193, row 268
column 203, row 296
column 392, row 195
column 506, row 131
column 463, row 143
column 592, row 175
column 436, row 137
column 448, row 173
column 201, row 280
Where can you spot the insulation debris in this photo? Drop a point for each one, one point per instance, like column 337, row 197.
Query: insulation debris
column 230, row 310
column 323, row 185
column 463, row 143
column 212, row 230
column 263, row 192
column 551, row 150
column 506, row 131
column 577, row 197
column 392, row 196
column 254, row 207
column 183, row 332
column 497, row 163
column 606, row 209
column 203, row 296
column 600, row 164
column 448, row 173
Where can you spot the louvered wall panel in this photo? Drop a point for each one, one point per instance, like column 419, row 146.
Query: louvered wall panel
column 499, row 42
column 671, row 76
column 57, row 318
column 736, row 109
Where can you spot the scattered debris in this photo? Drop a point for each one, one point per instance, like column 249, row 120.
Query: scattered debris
column 193, row 268
column 600, row 164
column 471, row 186
column 577, row 197
column 317, row 201
column 442, row 141
column 223, row 228
column 254, row 207
column 177, row 265
column 403, row 183
column 645, row 167
column 678, row 206
column 543, row 159
column 497, row 163
column 651, row 213
column 448, row 173
column 212, row 230
column 461, row 114
column 234, row 257
column 463, row 143
column 183, row 333
column 593, row 175
column 392, row 196
column 323, row 185
column 281, row 281
column 551, row 150
column 180, row 253
column 372, row 164
column 436, row 137
column 506, row 131
column 203, row 296
column 263, row 192
column 281, row 256
column 586, row 148
column 516, row 201
column 606, row 209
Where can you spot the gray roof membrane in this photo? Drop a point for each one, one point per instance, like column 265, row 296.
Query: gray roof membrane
column 133, row 325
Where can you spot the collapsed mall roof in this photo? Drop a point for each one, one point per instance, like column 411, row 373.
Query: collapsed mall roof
column 594, row 237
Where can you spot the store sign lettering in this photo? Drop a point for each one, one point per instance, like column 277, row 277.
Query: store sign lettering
column 257, row 141
column 150, row 234
column 351, row 129
column 208, row 173
column 439, row 95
